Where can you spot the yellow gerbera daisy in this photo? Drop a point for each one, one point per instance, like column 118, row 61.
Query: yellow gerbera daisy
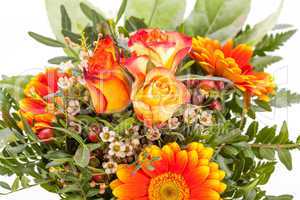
column 170, row 173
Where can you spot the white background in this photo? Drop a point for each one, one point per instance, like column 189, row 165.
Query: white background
column 19, row 54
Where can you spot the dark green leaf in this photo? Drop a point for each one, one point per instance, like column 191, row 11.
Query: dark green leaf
column 66, row 23
column 268, row 154
column 4, row 185
column 45, row 40
column 92, row 14
column 133, row 23
column 283, row 136
column 60, row 59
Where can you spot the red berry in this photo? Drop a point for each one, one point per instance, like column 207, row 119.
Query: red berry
column 92, row 137
column 45, row 134
column 216, row 105
column 97, row 178
column 207, row 85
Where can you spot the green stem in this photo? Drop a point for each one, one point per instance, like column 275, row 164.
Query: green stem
column 276, row 146
column 153, row 12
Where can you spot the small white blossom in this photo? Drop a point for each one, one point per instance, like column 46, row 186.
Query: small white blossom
column 135, row 142
column 173, row 123
column 190, row 115
column 64, row 83
column 205, row 118
column 110, row 167
column 106, row 135
column 117, row 149
column 128, row 149
column 73, row 107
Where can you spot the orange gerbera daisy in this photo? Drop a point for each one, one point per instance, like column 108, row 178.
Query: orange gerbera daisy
column 232, row 63
column 170, row 173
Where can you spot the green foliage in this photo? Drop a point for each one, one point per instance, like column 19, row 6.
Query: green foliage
column 15, row 85
column 163, row 14
column 272, row 42
column 45, row 40
column 285, row 98
column 121, row 10
column 254, row 35
column 132, row 24
column 78, row 19
column 218, row 19
column 260, row 63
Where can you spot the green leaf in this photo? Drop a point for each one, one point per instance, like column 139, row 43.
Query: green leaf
column 121, row 10
column 262, row 62
column 217, row 19
column 268, row 154
column 4, row 185
column 125, row 124
column 256, row 34
column 272, row 42
column 264, row 105
column 163, row 14
column 285, row 158
column 16, row 184
column 5, row 134
column 133, row 23
column 91, row 13
column 66, row 23
column 283, row 136
column 266, row 135
column 45, row 40
column 78, row 19
column 15, row 85
column 60, row 59
column 252, row 130
column 285, row 98
column 281, row 197
column 82, row 156
column 25, row 182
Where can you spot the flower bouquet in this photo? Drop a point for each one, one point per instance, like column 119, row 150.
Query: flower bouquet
column 158, row 107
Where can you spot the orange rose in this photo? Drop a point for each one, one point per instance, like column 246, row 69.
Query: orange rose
column 107, row 82
column 165, row 49
column 157, row 94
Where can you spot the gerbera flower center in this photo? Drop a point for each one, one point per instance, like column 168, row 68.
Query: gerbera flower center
column 168, row 186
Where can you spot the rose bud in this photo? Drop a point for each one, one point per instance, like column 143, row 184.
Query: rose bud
column 92, row 137
column 197, row 98
column 220, row 85
column 207, row 85
column 216, row 105
column 191, row 83
column 45, row 134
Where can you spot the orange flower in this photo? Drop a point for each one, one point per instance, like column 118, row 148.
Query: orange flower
column 107, row 82
column 232, row 63
column 165, row 49
column 156, row 95
column 171, row 174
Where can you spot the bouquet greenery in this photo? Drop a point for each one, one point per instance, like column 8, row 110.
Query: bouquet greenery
column 157, row 107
